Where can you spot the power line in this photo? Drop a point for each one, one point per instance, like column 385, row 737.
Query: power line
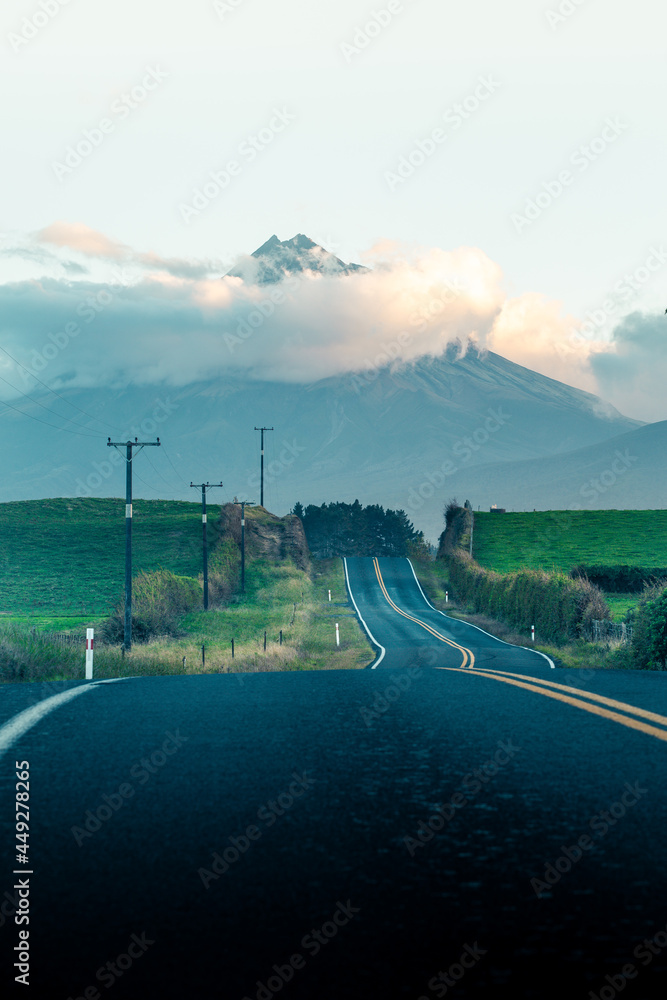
column 158, row 473
column 148, row 485
column 69, row 402
column 166, row 455
column 70, row 420
column 39, row 419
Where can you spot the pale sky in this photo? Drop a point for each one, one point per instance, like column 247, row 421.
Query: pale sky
column 560, row 103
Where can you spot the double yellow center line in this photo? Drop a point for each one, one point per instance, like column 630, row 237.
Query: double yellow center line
column 597, row 704
column 621, row 712
column 467, row 654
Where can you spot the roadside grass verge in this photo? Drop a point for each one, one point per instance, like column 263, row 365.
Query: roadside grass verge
column 434, row 579
column 574, row 654
column 272, row 592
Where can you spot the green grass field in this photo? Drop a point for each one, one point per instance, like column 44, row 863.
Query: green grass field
column 65, row 558
column 561, row 539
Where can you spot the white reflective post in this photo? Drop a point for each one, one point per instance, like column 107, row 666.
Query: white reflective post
column 90, row 636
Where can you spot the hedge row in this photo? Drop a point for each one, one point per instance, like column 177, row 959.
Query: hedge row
column 560, row 608
column 619, row 579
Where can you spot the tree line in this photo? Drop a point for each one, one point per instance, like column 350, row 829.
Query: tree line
column 349, row 529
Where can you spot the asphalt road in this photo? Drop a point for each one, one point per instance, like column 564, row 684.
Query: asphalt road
column 417, row 830
column 404, row 626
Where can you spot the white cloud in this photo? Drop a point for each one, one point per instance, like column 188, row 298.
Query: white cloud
column 173, row 325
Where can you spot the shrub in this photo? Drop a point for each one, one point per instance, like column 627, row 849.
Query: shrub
column 224, row 568
column 649, row 622
column 159, row 600
column 458, row 521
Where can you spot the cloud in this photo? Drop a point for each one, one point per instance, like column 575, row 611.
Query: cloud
column 175, row 326
column 533, row 331
column 77, row 236
column 43, row 258
column 633, row 369
column 176, row 329
column 93, row 244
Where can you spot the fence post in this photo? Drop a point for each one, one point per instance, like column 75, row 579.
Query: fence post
column 232, row 649
column 203, row 656
column 90, row 636
column 281, row 637
column 265, row 642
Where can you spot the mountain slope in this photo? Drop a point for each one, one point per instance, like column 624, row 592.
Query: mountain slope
column 624, row 472
column 403, row 437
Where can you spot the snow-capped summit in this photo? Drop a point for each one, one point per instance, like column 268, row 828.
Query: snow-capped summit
column 276, row 258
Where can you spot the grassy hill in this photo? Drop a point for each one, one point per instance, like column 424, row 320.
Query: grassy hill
column 67, row 556
column 562, row 539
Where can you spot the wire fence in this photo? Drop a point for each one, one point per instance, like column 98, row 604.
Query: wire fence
column 62, row 638
column 602, row 631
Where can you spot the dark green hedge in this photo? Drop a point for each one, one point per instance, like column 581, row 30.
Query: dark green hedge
column 619, row 579
column 559, row 607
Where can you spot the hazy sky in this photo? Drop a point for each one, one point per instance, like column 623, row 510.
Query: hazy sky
column 394, row 133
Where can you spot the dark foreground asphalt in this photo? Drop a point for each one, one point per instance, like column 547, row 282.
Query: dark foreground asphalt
column 337, row 834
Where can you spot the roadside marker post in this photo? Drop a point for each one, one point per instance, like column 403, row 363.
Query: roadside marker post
column 532, row 633
column 329, row 597
column 446, row 597
column 90, row 637
column 337, row 635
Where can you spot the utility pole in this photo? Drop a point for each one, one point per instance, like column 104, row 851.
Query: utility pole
column 203, row 487
column 129, row 445
column 261, row 477
column 244, row 504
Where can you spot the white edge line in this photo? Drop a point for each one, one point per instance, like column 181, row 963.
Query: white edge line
column 368, row 631
column 470, row 625
column 13, row 730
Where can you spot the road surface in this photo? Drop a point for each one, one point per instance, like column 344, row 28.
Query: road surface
column 420, row 829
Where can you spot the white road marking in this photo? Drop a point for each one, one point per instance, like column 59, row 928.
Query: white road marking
column 370, row 634
column 470, row 625
column 21, row 723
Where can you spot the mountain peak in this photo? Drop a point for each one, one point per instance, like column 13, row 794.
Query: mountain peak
column 276, row 259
